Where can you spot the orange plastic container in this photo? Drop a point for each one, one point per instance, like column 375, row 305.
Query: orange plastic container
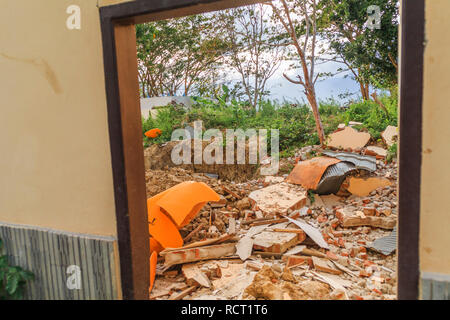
column 173, row 209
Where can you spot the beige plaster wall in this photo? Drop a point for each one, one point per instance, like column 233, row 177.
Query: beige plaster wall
column 435, row 188
column 55, row 165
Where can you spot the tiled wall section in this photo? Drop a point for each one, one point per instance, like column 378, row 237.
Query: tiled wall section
column 49, row 253
column 435, row 286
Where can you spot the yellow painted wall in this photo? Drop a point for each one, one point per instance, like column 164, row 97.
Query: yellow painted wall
column 55, row 164
column 435, row 188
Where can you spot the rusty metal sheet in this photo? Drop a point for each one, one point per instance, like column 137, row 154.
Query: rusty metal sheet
column 308, row 173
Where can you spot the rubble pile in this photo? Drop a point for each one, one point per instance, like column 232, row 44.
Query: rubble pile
column 279, row 237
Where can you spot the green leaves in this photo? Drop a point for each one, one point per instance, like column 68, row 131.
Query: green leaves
column 12, row 279
column 175, row 56
column 372, row 54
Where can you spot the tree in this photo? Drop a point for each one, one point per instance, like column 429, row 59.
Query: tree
column 370, row 54
column 298, row 18
column 176, row 56
column 254, row 50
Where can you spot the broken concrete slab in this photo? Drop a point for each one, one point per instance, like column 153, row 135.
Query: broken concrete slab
column 312, row 232
column 198, row 254
column 348, row 138
column 297, row 260
column 390, row 135
column 268, row 180
column 363, row 187
column 244, row 248
column 309, row 173
column 378, row 152
column 278, row 198
column 295, row 250
column 325, row 265
column 231, row 226
column 245, row 245
column 349, row 218
column 277, row 242
column 331, row 201
column 194, row 276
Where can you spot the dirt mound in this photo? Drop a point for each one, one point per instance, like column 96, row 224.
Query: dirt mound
column 234, row 198
column 159, row 157
column 268, row 285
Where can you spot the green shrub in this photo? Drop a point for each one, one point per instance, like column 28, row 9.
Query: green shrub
column 12, row 279
column 373, row 117
column 295, row 121
column 392, row 153
column 167, row 120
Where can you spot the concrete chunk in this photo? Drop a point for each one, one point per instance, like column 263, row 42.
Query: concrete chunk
column 363, row 187
column 348, row 218
column 348, row 138
column 378, row 152
column 277, row 242
column 325, row 266
column 194, row 276
column 390, row 135
column 278, row 198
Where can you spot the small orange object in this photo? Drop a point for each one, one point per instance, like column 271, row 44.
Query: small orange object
column 153, row 133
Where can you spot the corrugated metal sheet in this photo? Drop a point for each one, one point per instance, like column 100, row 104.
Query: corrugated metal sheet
column 385, row 245
column 368, row 163
column 48, row 254
column 333, row 177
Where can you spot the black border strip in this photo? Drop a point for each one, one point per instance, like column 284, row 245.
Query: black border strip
column 411, row 87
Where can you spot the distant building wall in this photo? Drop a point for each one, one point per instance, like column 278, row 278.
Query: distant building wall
column 151, row 104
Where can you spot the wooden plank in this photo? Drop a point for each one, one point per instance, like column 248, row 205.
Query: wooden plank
column 277, row 242
column 202, row 243
column 300, row 231
column 133, row 152
column 193, row 232
column 260, row 223
column 198, row 254
column 183, row 293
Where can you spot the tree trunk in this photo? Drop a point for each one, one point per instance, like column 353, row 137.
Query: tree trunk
column 382, row 106
column 311, row 95
column 364, row 87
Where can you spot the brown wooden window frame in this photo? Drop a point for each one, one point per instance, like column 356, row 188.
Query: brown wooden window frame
column 125, row 133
